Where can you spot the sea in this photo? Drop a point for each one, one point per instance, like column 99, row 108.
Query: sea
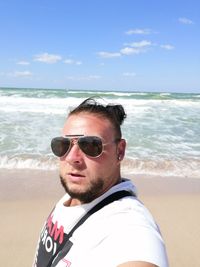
column 162, row 130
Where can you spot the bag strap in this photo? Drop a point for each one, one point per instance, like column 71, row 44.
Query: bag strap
column 68, row 244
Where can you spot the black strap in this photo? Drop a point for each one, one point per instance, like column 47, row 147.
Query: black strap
column 68, row 244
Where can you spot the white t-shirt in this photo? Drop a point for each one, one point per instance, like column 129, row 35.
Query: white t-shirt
column 122, row 231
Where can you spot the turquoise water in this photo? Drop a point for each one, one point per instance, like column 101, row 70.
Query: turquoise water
column 161, row 129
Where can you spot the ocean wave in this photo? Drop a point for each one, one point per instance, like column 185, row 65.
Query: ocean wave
column 63, row 93
column 39, row 163
column 107, row 93
column 182, row 168
column 60, row 105
column 158, row 126
column 188, row 168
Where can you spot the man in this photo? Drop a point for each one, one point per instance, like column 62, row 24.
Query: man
column 119, row 231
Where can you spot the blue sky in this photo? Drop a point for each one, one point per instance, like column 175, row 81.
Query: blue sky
column 146, row 45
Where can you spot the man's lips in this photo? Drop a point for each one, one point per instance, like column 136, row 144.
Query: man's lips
column 75, row 177
column 75, row 174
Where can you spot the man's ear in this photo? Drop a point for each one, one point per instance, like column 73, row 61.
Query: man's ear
column 121, row 149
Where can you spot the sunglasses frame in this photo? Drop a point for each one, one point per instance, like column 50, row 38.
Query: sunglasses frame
column 74, row 139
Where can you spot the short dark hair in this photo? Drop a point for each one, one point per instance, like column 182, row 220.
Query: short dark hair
column 113, row 112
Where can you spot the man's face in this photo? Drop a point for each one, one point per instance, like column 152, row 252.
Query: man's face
column 83, row 177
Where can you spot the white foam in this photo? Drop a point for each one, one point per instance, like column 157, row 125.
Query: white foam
column 58, row 105
column 35, row 105
column 28, row 163
column 163, row 168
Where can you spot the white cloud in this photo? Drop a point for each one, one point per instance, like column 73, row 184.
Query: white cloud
column 136, row 47
column 138, row 31
column 140, row 44
column 23, row 63
column 68, row 61
column 83, row 78
column 92, row 77
column 167, row 47
column 71, row 61
column 25, row 73
column 129, row 74
column 108, row 54
column 78, row 62
column 70, row 78
column 185, row 21
column 130, row 51
column 48, row 58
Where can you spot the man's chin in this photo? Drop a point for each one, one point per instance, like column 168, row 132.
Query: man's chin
column 76, row 191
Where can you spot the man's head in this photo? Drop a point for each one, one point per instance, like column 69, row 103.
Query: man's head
column 92, row 149
column 114, row 113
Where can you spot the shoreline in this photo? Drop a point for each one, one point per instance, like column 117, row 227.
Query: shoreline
column 32, row 184
column 27, row 197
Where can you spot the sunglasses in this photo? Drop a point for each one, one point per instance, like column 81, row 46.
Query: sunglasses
column 90, row 145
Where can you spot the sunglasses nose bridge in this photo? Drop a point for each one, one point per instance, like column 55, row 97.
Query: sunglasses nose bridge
column 73, row 142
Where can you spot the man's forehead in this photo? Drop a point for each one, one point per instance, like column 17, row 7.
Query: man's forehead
column 86, row 124
column 87, row 118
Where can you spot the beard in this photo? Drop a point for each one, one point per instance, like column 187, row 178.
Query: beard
column 91, row 192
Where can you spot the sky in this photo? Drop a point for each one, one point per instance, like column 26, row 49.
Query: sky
column 122, row 45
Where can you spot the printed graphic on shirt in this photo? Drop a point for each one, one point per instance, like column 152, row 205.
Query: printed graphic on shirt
column 68, row 263
column 52, row 238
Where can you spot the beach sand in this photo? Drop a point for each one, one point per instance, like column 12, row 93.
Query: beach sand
column 27, row 196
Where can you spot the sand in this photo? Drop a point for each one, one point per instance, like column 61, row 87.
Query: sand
column 27, row 196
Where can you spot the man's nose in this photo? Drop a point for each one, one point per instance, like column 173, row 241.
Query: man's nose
column 75, row 154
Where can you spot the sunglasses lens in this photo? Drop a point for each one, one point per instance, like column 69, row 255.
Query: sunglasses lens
column 60, row 146
column 91, row 145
